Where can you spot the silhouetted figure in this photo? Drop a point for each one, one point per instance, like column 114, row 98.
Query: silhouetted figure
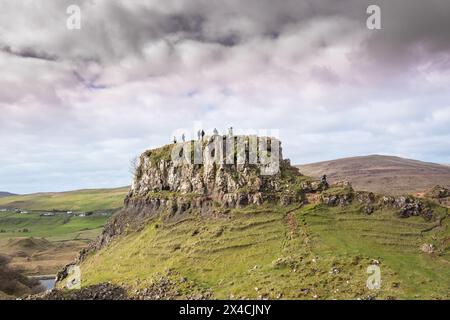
column 230, row 131
column 324, row 181
column 216, row 133
column 199, row 134
column 183, row 137
column 203, row 134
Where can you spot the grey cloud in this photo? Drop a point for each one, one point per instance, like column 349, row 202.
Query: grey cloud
column 75, row 106
column 29, row 53
column 113, row 31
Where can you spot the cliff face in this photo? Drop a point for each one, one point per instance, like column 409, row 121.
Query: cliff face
column 159, row 177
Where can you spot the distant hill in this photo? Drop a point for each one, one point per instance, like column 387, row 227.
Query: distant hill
column 79, row 200
column 382, row 174
column 6, row 194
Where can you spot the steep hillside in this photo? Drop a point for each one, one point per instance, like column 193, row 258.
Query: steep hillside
column 383, row 174
column 226, row 231
column 80, row 200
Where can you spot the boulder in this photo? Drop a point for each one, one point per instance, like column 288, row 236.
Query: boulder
column 427, row 248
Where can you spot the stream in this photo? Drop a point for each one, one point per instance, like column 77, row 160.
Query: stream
column 47, row 281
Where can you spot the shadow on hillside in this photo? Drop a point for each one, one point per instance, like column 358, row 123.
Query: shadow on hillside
column 13, row 283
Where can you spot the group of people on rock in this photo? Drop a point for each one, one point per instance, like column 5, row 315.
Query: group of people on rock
column 201, row 134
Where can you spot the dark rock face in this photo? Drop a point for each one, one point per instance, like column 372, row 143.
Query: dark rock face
column 368, row 200
column 337, row 200
column 409, row 206
column 312, row 186
column 103, row 291
column 165, row 286
column 340, row 194
column 406, row 206
column 62, row 274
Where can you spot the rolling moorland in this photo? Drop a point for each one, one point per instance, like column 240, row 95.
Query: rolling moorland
column 382, row 174
column 213, row 232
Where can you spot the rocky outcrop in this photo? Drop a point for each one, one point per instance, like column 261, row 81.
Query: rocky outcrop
column 172, row 189
column 103, row 291
column 342, row 194
column 427, row 248
column 440, row 195
column 159, row 179
column 339, row 194
column 163, row 188
column 408, row 206
column 167, row 286
column 438, row 192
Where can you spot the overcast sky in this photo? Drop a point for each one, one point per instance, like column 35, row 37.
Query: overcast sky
column 77, row 105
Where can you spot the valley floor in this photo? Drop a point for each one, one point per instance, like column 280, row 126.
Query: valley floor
column 37, row 244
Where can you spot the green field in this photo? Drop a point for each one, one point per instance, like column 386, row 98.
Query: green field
column 81, row 200
column 56, row 228
column 312, row 252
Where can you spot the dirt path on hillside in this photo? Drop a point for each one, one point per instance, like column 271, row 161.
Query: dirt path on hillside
column 292, row 224
column 296, row 230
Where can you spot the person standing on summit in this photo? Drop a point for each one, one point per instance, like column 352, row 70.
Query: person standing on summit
column 324, row 181
column 203, row 134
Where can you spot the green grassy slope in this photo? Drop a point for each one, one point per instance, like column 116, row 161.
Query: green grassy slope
column 81, row 200
column 283, row 252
